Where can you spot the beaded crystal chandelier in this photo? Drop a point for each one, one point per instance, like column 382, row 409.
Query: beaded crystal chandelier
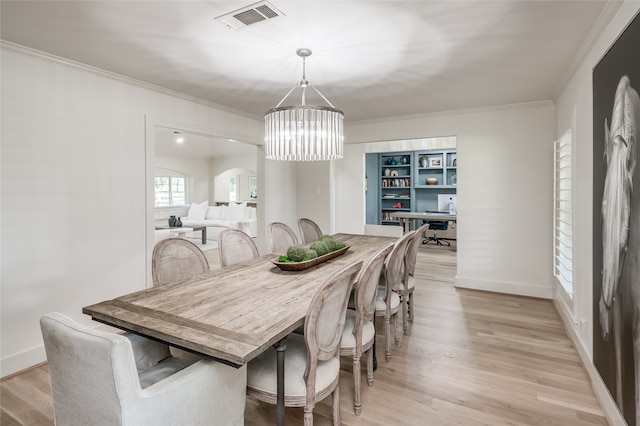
column 304, row 132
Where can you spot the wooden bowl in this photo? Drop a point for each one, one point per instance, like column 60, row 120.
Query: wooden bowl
column 432, row 181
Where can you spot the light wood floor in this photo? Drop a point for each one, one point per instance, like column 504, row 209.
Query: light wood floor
column 470, row 358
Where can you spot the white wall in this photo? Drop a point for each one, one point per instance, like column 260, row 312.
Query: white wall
column 74, row 175
column 505, row 190
column 576, row 97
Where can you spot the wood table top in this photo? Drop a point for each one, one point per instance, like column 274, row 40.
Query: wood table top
column 233, row 313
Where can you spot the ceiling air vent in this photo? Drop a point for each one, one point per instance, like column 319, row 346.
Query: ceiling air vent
column 249, row 15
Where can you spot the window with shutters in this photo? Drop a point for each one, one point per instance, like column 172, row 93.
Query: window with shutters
column 563, row 213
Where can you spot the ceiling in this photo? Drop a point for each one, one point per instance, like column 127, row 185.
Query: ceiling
column 371, row 59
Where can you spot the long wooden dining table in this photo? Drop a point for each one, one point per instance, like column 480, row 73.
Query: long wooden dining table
column 232, row 314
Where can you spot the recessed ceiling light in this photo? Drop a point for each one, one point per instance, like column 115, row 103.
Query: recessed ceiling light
column 179, row 138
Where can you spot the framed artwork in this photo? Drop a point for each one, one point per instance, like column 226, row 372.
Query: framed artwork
column 616, row 221
column 435, row 162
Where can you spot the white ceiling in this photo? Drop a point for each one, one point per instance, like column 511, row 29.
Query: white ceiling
column 372, row 59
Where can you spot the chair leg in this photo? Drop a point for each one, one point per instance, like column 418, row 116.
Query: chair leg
column 370, row 354
column 357, row 404
column 336, row 406
column 395, row 327
column 387, row 338
column 405, row 313
column 410, row 302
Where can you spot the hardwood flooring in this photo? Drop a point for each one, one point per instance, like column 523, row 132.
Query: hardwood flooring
column 470, row 358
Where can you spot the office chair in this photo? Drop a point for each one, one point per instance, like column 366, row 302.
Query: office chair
column 435, row 226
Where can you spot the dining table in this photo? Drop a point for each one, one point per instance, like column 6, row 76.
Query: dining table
column 234, row 313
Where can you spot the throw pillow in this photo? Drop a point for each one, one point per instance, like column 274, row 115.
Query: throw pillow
column 213, row 213
column 198, row 211
column 236, row 211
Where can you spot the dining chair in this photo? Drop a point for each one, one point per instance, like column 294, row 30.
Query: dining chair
column 309, row 230
column 359, row 332
column 405, row 291
column 282, row 237
column 383, row 230
column 103, row 378
column 388, row 301
column 235, row 246
column 312, row 363
column 176, row 259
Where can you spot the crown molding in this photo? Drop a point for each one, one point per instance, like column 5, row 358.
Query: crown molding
column 114, row 76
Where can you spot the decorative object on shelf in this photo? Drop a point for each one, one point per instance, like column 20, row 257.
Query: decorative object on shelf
column 178, row 222
column 455, row 162
column 394, row 173
column 304, row 132
column 172, row 221
column 432, row 181
column 397, row 205
column 435, row 162
column 387, row 172
column 424, row 161
column 453, row 177
column 393, row 161
column 404, row 160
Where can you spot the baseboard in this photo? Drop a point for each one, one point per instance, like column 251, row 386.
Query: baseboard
column 504, row 287
column 22, row 361
column 611, row 410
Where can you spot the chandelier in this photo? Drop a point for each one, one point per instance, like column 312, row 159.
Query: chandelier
column 304, row 132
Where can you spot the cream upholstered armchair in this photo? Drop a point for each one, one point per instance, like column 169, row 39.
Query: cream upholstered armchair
column 101, row 378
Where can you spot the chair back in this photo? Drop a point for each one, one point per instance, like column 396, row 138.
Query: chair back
column 91, row 372
column 412, row 249
column 175, row 260
column 383, row 230
column 325, row 322
column 235, row 246
column 366, row 287
column 309, row 230
column 395, row 272
column 282, row 237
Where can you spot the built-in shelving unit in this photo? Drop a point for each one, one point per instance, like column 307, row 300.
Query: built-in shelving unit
column 395, row 184
column 411, row 181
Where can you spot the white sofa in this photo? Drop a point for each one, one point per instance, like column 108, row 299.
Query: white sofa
column 218, row 218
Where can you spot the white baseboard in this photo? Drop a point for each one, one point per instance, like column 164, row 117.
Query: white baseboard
column 22, row 361
column 504, row 287
column 601, row 391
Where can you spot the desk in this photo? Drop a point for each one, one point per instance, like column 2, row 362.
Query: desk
column 231, row 314
column 407, row 218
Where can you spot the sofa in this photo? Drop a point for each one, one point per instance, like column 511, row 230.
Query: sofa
column 217, row 218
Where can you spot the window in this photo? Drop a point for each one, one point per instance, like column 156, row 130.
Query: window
column 233, row 188
column 563, row 213
column 170, row 189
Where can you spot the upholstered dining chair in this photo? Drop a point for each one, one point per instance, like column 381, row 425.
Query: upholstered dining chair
column 312, row 364
column 102, row 378
column 359, row 330
column 405, row 291
column 309, row 230
column 282, row 237
column 235, row 246
column 175, row 260
column 388, row 301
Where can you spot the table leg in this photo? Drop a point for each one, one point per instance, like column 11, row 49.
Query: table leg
column 280, row 347
column 204, row 235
